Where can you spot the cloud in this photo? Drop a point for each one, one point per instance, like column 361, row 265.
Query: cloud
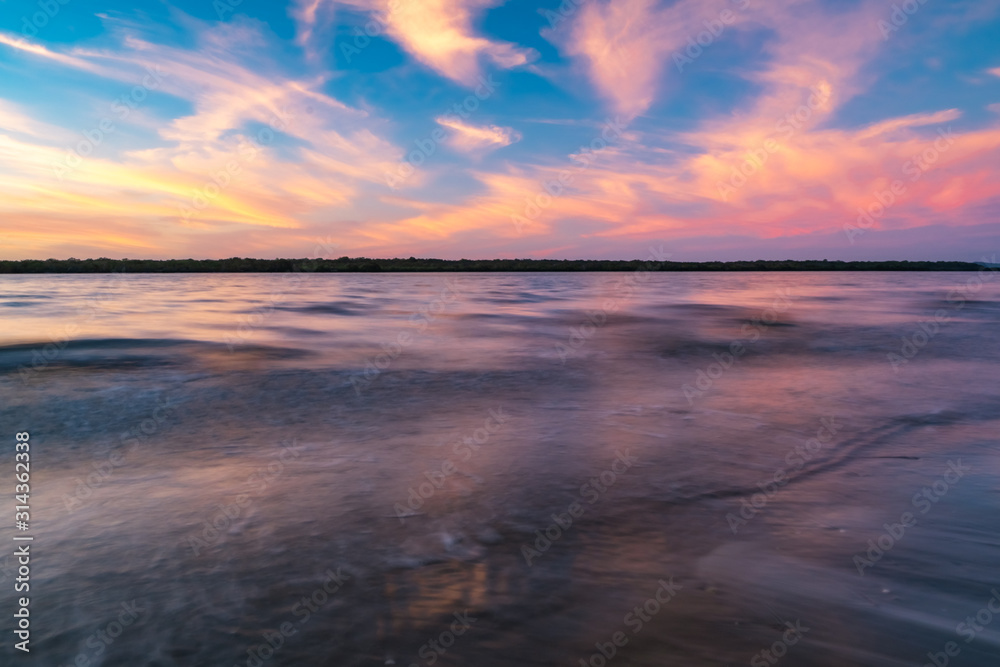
column 437, row 33
column 305, row 15
column 913, row 120
column 13, row 118
column 254, row 149
column 40, row 51
column 625, row 48
column 627, row 45
column 469, row 138
column 311, row 18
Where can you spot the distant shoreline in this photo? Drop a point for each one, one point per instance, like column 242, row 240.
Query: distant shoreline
column 414, row 265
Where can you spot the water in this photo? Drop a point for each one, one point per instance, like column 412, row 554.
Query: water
column 406, row 440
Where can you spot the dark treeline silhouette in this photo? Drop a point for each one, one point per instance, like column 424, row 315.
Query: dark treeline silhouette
column 364, row 264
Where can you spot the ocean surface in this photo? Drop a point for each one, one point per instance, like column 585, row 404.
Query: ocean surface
column 505, row 469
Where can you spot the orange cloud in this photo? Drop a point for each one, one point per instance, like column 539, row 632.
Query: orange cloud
column 216, row 170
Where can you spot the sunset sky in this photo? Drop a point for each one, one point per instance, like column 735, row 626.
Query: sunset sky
column 483, row 128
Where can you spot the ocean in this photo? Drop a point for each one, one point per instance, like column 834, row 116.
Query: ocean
column 505, row 469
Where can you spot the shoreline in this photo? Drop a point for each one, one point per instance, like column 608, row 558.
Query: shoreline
column 414, row 265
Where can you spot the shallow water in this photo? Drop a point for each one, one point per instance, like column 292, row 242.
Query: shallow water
column 415, row 434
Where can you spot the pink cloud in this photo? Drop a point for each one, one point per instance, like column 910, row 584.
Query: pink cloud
column 469, row 138
column 628, row 46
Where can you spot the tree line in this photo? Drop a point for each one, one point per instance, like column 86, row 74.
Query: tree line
column 415, row 265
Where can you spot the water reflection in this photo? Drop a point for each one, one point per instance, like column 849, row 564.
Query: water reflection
column 207, row 449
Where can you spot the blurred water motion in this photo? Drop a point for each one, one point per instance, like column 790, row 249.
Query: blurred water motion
column 453, row 448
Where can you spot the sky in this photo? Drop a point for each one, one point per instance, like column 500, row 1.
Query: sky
column 709, row 129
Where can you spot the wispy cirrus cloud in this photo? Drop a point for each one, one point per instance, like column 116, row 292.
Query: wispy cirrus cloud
column 15, row 118
column 470, row 138
column 626, row 45
column 306, row 15
column 35, row 49
column 287, row 151
column 913, row 120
